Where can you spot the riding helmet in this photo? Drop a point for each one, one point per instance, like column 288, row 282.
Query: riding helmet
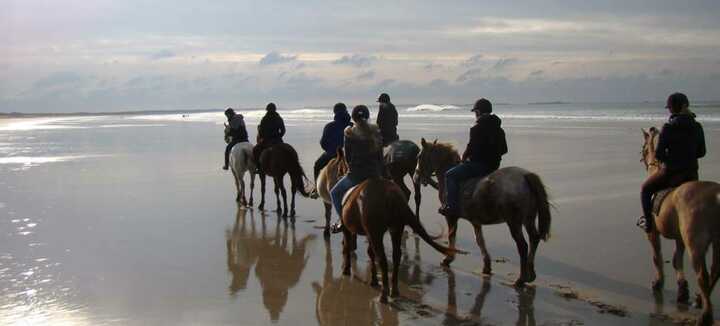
column 360, row 112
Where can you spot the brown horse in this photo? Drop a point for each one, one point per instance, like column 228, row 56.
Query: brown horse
column 510, row 195
column 276, row 161
column 375, row 206
column 327, row 178
column 690, row 215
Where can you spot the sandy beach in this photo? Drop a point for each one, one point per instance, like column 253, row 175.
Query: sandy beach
column 129, row 220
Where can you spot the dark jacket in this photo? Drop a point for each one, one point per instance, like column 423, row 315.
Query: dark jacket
column 332, row 136
column 387, row 121
column 363, row 153
column 487, row 142
column 238, row 132
column 681, row 143
column 271, row 128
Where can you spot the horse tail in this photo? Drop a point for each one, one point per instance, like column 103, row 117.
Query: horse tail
column 297, row 176
column 541, row 198
column 398, row 204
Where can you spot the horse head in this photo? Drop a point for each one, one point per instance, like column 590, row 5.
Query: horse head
column 425, row 167
column 648, row 158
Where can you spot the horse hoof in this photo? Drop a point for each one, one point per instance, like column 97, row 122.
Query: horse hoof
column 261, row 207
column 657, row 285
column 285, row 215
column 292, row 213
column 531, row 278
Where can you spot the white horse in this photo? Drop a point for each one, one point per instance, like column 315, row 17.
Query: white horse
column 241, row 161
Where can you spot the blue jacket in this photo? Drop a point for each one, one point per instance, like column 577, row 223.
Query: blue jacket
column 332, row 136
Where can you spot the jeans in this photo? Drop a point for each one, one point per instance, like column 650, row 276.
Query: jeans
column 321, row 162
column 660, row 180
column 338, row 192
column 462, row 172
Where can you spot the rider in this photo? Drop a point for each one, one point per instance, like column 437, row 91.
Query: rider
column 481, row 157
column 332, row 137
column 238, row 132
column 363, row 152
column 387, row 120
column 270, row 131
column 680, row 144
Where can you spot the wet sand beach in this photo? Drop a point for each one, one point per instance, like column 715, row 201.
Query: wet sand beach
column 129, row 220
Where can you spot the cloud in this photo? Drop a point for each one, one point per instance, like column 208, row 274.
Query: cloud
column 504, row 63
column 59, row 79
column 469, row 74
column 365, row 76
column 276, row 58
column 162, row 54
column 356, row 60
column 537, row 73
column 472, row 61
column 432, row 66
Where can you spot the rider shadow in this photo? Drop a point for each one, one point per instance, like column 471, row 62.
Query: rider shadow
column 279, row 259
column 342, row 299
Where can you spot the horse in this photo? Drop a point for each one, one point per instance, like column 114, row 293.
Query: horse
column 373, row 207
column 327, row 178
column 276, row 161
column 401, row 160
column 690, row 215
column 510, row 195
column 241, row 161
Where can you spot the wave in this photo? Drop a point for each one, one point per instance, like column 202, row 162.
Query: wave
column 432, row 108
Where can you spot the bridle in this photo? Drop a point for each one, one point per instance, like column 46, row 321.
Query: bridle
column 426, row 179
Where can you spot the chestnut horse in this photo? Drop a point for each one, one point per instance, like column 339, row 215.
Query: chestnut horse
column 511, row 195
column 690, row 215
column 277, row 161
column 373, row 207
column 327, row 178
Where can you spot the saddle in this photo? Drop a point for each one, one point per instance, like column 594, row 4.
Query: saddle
column 658, row 199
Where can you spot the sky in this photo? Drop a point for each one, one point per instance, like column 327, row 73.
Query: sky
column 104, row 55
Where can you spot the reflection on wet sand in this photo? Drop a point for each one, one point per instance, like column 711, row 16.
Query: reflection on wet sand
column 345, row 300
column 279, row 263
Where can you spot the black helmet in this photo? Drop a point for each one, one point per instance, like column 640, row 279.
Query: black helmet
column 483, row 106
column 360, row 112
column 229, row 112
column 384, row 98
column 271, row 107
column 677, row 101
column 339, row 107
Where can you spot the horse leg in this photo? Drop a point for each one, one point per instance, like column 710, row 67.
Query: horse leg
column 418, row 196
column 262, row 191
column 534, row 237
column 697, row 252
column 347, row 244
column 522, row 247
column 658, row 283
column 237, row 186
column 328, row 210
column 379, row 248
column 397, row 236
column 293, row 190
column 400, row 181
column 373, row 270
column 683, row 293
column 243, row 199
column 283, row 192
column 715, row 269
column 277, row 195
column 252, row 188
column 452, row 233
column 487, row 268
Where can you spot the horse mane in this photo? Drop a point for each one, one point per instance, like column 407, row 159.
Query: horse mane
column 446, row 147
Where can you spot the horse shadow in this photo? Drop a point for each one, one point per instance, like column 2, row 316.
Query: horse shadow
column 279, row 259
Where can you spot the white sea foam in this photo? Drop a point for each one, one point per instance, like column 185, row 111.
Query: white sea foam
column 40, row 124
column 35, row 160
column 432, row 108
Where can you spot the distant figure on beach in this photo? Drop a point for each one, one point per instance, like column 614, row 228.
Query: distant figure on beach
column 387, row 120
column 238, row 132
column 332, row 137
column 363, row 152
column 270, row 131
column 680, row 144
column 481, row 157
